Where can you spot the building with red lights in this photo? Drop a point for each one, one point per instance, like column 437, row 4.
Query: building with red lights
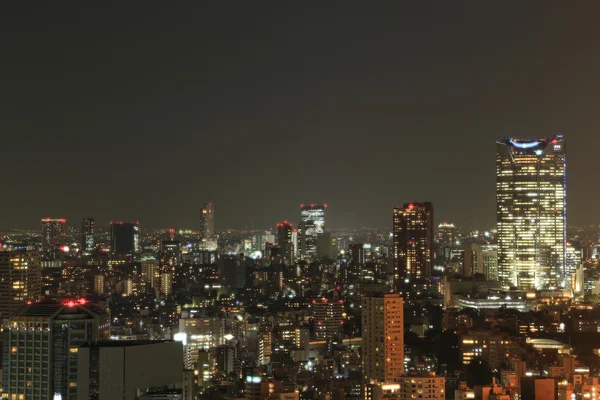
column 413, row 242
column 41, row 345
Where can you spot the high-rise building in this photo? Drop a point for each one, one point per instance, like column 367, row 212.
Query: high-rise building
column 53, row 236
column 413, row 242
column 531, row 212
column 121, row 369
column 328, row 318
column 383, row 338
column 284, row 241
column 207, row 222
column 125, row 238
column 312, row 223
column 357, row 253
column 425, row 386
column 20, row 278
column 41, row 346
column 87, row 235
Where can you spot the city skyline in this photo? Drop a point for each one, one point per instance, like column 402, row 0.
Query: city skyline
column 341, row 95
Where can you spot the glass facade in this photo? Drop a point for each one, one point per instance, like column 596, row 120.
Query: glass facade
column 312, row 223
column 531, row 212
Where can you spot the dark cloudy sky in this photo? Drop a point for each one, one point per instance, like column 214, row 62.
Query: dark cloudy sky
column 144, row 113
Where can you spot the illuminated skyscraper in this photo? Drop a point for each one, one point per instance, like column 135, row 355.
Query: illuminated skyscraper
column 207, row 222
column 53, row 236
column 312, row 222
column 382, row 338
column 531, row 212
column 20, row 278
column 124, row 238
column 413, row 242
column 87, row 235
column 284, row 241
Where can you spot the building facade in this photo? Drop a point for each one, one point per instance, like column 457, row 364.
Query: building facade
column 20, row 278
column 53, row 236
column 125, row 238
column 207, row 222
column 531, row 212
column 41, row 345
column 413, row 242
column 383, row 338
column 87, row 235
column 312, row 223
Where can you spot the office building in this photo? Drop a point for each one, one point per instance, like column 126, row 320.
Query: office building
column 413, row 242
column 128, row 369
column 53, row 237
column 312, row 223
column 125, row 238
column 531, row 212
column 20, row 278
column 41, row 346
column 207, row 222
column 382, row 338
column 87, row 236
column 284, row 241
column 232, row 270
column 326, row 246
column 480, row 259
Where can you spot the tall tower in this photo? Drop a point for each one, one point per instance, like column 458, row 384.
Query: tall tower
column 87, row 235
column 531, row 212
column 284, row 240
column 53, row 235
column 383, row 338
column 312, row 223
column 207, row 222
column 413, row 242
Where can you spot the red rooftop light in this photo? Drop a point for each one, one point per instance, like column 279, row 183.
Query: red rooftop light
column 411, row 206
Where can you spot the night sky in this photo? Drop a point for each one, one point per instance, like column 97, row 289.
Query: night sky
column 144, row 113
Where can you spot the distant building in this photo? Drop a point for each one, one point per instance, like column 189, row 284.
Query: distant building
column 531, row 212
column 413, row 242
column 53, row 237
column 284, row 240
column 312, row 223
column 328, row 318
column 481, row 259
column 20, row 278
column 87, row 236
column 382, row 338
column 447, row 234
column 125, row 238
column 126, row 370
column 41, row 347
column 207, row 222
column 357, row 253
column 326, row 248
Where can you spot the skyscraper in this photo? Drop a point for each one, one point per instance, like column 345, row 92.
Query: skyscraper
column 312, row 222
column 53, row 236
column 284, row 241
column 383, row 338
column 531, row 212
column 207, row 222
column 41, row 346
column 124, row 238
column 20, row 278
column 413, row 242
column 87, row 235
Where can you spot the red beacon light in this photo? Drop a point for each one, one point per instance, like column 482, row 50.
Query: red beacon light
column 411, row 206
column 74, row 302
